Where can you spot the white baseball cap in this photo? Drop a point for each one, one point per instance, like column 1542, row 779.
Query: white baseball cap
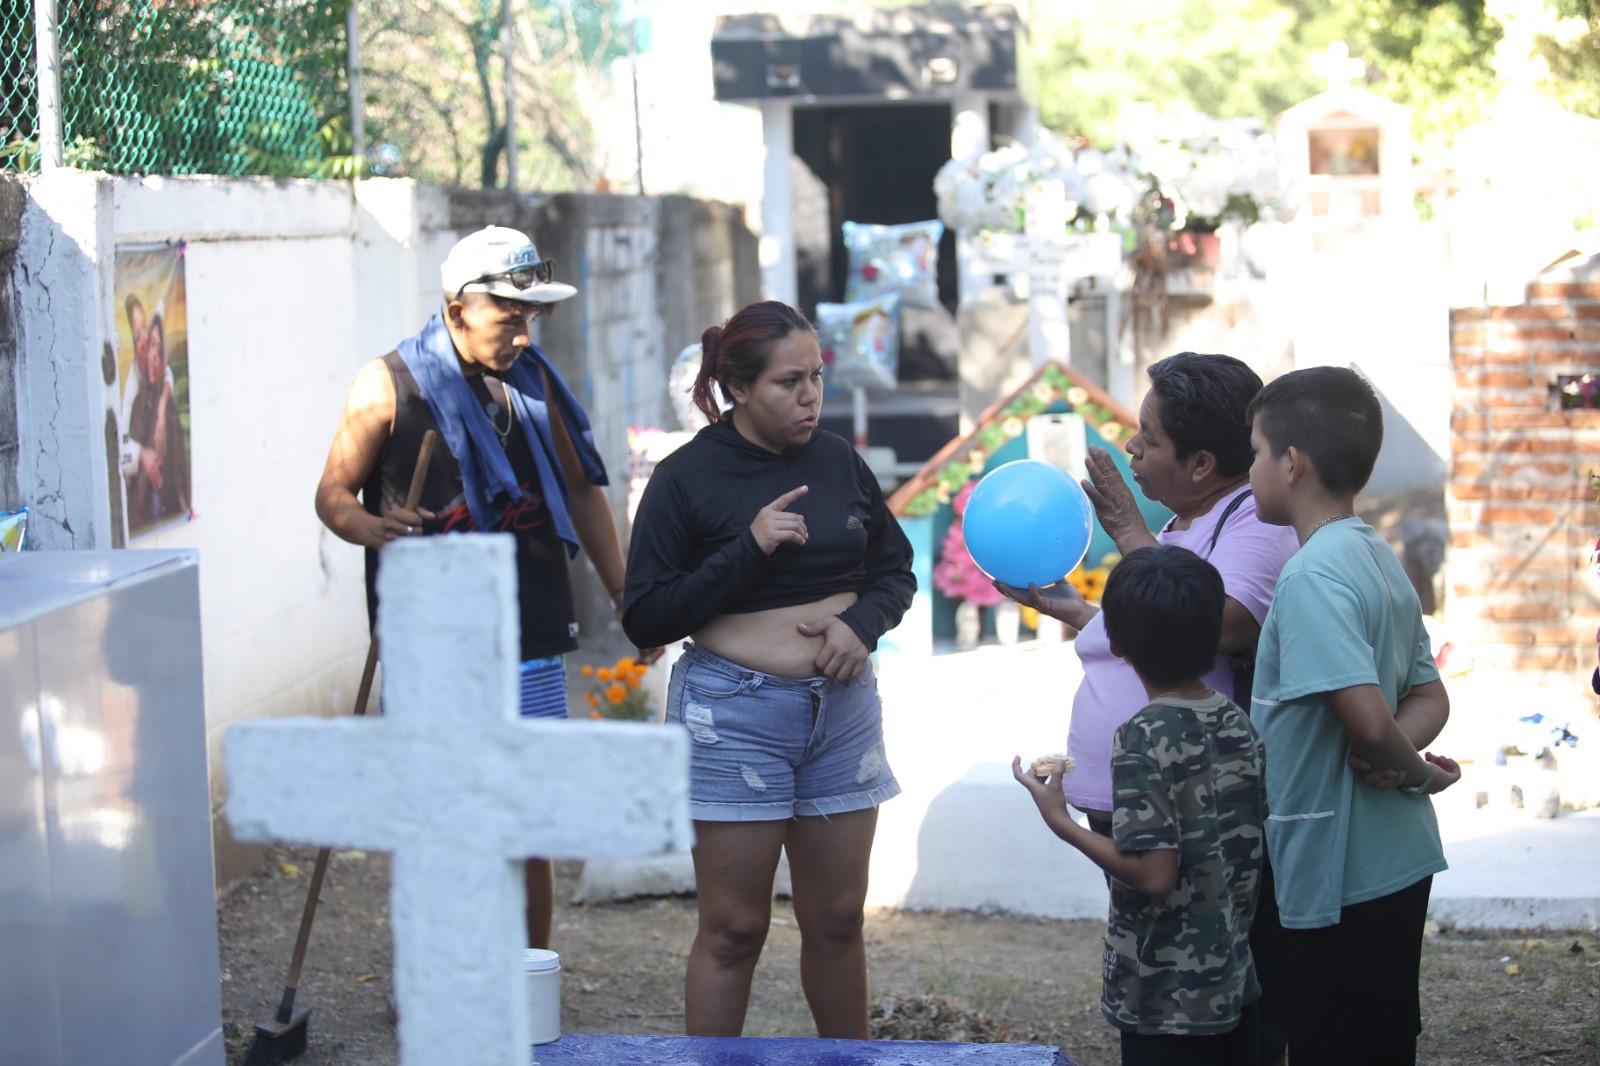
column 502, row 262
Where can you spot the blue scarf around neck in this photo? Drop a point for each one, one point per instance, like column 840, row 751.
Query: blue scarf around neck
column 486, row 472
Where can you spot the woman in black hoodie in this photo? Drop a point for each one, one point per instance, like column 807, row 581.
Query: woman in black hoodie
column 768, row 543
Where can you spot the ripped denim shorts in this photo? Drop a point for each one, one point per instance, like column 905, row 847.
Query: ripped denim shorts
column 767, row 748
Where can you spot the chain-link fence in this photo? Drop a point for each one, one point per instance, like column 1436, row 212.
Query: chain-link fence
column 19, row 95
column 183, row 86
column 238, row 87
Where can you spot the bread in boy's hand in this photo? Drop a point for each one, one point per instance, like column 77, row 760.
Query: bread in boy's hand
column 1045, row 765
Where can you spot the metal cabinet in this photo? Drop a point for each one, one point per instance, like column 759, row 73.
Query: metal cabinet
column 108, row 930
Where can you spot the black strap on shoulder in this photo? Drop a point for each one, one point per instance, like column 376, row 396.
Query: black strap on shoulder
column 1227, row 513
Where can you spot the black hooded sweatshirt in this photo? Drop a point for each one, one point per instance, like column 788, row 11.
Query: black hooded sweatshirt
column 693, row 556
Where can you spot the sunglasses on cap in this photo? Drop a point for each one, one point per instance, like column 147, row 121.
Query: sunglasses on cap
column 523, row 277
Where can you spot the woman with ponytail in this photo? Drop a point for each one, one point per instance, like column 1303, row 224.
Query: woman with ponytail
column 768, row 544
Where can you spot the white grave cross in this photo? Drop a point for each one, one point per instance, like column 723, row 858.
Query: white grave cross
column 458, row 789
column 1337, row 67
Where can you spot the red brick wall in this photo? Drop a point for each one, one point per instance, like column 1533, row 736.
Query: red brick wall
column 1522, row 515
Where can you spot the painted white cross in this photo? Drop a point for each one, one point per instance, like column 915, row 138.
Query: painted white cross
column 1337, row 66
column 458, row 788
column 1052, row 258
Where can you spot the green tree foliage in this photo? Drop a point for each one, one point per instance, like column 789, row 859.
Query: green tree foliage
column 1574, row 58
column 1253, row 58
column 434, row 81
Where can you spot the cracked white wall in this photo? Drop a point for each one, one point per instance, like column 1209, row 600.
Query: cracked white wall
column 61, row 280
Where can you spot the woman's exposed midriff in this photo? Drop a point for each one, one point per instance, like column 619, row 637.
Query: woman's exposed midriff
column 770, row 641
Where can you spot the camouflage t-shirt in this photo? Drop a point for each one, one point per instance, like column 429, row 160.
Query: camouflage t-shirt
column 1186, row 775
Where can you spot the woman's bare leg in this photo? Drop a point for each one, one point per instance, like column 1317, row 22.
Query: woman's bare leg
column 734, row 863
column 828, row 868
column 539, row 877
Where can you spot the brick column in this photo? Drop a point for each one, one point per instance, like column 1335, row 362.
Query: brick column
column 1522, row 515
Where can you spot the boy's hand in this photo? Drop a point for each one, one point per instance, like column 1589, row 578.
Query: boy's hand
column 1382, row 780
column 1047, row 794
column 1446, row 772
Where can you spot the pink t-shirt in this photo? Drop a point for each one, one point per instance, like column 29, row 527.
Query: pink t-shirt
column 1249, row 555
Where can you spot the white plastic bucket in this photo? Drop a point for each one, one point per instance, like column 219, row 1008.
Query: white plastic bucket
column 543, row 972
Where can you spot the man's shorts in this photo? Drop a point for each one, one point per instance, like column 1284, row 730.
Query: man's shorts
column 544, row 688
column 769, row 748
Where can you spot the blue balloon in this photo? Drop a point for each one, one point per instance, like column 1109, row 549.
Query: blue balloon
column 1027, row 522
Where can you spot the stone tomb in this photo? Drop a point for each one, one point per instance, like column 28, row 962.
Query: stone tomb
column 459, row 789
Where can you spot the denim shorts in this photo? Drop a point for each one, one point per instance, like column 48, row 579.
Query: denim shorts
column 769, row 748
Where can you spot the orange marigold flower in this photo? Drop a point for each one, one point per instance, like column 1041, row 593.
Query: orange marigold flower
column 625, row 664
column 604, row 673
column 592, row 699
column 587, row 671
column 616, row 694
column 597, row 716
column 633, row 681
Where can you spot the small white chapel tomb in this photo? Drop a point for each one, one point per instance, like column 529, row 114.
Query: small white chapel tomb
column 1346, row 153
column 459, row 789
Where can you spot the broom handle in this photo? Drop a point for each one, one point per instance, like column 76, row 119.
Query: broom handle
column 419, row 477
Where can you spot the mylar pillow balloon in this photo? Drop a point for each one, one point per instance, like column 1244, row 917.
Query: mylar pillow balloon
column 860, row 343
column 900, row 259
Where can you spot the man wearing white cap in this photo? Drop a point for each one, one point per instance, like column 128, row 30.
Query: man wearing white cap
column 520, row 458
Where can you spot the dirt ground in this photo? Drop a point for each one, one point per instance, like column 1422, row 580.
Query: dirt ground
column 937, row 976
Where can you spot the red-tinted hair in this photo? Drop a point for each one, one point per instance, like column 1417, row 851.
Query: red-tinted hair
column 738, row 350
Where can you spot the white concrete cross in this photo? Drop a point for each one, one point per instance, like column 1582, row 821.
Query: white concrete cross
column 1052, row 258
column 458, row 788
column 1337, row 67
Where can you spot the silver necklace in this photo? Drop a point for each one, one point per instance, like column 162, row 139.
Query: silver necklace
column 1328, row 522
column 511, row 413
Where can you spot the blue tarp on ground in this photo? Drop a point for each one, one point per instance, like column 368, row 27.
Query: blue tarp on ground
column 785, row 1051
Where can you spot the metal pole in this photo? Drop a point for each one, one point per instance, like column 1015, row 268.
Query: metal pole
column 46, row 48
column 506, row 40
column 858, row 411
column 633, row 79
column 358, row 114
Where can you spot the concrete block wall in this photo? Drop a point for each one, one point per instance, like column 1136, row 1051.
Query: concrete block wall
column 651, row 275
column 1523, row 594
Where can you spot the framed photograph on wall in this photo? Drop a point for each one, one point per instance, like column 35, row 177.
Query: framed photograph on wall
column 151, row 389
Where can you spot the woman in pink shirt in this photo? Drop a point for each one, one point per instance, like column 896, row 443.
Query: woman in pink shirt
column 1192, row 455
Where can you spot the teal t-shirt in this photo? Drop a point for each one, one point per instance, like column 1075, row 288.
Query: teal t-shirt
column 1344, row 615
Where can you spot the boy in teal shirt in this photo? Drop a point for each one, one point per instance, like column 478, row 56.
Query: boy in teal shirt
column 1345, row 696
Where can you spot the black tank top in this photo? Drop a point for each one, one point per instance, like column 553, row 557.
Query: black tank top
column 544, row 587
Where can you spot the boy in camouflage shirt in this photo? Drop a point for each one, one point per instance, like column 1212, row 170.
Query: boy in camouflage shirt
column 1186, row 849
